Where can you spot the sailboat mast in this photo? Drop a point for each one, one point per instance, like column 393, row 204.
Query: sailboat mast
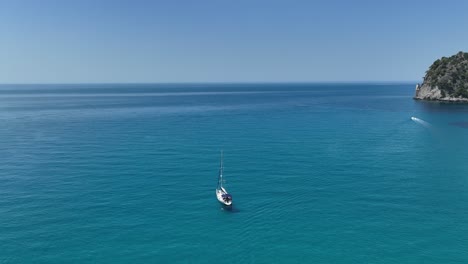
column 220, row 179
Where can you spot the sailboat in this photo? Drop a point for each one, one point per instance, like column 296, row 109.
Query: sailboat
column 221, row 194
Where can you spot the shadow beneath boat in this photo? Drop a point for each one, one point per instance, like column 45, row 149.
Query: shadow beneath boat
column 229, row 208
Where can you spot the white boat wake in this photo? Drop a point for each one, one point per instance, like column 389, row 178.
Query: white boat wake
column 421, row 122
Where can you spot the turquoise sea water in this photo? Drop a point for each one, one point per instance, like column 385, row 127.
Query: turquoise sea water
column 320, row 173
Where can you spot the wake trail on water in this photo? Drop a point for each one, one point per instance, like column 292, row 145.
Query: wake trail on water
column 421, row 122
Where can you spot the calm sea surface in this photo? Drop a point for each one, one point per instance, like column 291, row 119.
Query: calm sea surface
column 319, row 173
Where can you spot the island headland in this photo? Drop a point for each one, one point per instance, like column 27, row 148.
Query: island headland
column 446, row 80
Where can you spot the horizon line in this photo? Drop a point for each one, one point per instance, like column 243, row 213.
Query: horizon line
column 217, row 82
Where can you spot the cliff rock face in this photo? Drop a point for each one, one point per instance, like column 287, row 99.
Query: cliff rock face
column 446, row 80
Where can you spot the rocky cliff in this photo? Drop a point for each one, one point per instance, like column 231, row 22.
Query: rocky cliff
column 446, row 80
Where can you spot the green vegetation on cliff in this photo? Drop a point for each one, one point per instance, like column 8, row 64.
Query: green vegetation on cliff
column 450, row 75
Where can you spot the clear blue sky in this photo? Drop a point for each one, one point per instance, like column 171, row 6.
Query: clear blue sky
column 83, row 41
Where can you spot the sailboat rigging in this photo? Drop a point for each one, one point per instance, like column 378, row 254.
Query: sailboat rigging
column 221, row 194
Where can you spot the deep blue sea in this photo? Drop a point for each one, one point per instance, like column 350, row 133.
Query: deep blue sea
column 319, row 173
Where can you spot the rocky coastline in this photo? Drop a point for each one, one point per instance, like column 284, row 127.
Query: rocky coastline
column 446, row 80
column 428, row 93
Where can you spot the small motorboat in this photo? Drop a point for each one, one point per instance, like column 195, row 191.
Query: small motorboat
column 221, row 194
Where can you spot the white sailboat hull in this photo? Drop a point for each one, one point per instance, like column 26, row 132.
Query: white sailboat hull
column 219, row 196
